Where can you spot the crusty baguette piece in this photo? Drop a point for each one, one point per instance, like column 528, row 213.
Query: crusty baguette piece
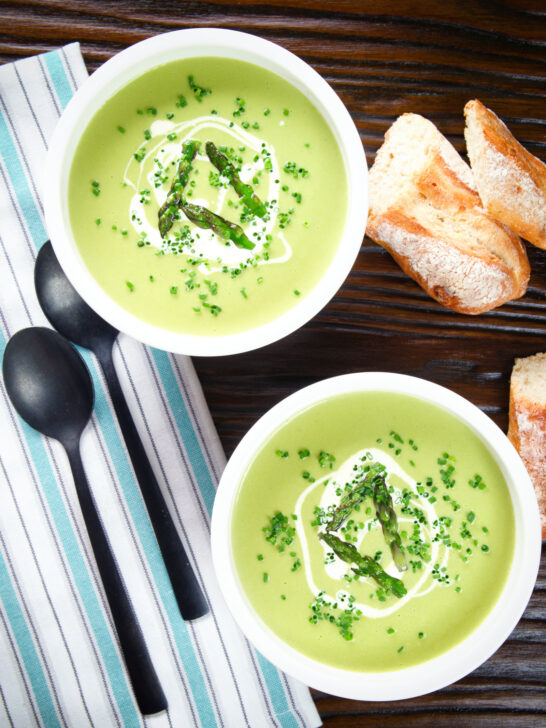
column 527, row 422
column 425, row 210
column 510, row 180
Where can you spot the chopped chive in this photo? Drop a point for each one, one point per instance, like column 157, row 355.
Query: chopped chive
column 139, row 156
column 199, row 92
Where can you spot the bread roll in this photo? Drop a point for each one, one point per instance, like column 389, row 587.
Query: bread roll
column 527, row 422
column 425, row 210
column 510, row 180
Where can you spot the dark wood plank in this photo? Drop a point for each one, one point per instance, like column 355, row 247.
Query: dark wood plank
column 382, row 59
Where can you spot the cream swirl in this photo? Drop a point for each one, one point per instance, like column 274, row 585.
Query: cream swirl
column 148, row 169
column 332, row 486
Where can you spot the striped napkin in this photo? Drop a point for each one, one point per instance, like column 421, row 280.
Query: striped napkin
column 59, row 660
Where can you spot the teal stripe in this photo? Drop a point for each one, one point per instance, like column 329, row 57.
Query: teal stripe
column 185, row 427
column 198, row 464
column 78, row 567
column 132, row 495
column 27, row 650
column 146, row 535
column 18, row 180
column 57, row 73
column 276, row 693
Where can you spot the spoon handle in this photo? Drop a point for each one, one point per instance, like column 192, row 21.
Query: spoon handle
column 189, row 596
column 148, row 692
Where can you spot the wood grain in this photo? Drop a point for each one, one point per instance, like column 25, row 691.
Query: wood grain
column 382, row 59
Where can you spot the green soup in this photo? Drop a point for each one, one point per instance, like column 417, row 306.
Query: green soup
column 285, row 212
column 454, row 521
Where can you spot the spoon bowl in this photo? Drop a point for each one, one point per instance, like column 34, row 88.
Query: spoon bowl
column 63, row 306
column 48, row 383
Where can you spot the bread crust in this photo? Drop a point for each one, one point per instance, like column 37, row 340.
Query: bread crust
column 481, row 284
column 473, row 271
column 527, row 429
column 510, row 180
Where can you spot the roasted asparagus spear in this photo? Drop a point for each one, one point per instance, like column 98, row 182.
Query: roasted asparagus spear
column 356, row 496
column 226, row 168
column 169, row 210
column 227, row 230
column 386, row 515
column 365, row 565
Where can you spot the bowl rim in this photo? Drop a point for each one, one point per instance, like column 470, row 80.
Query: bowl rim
column 156, row 51
column 449, row 666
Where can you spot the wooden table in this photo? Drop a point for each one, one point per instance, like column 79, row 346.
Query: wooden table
column 382, row 59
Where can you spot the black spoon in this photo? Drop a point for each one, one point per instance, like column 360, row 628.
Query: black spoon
column 50, row 387
column 67, row 312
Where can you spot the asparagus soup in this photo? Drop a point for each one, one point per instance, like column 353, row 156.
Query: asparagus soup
column 208, row 196
column 373, row 531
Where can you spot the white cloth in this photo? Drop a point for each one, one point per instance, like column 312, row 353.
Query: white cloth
column 60, row 664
